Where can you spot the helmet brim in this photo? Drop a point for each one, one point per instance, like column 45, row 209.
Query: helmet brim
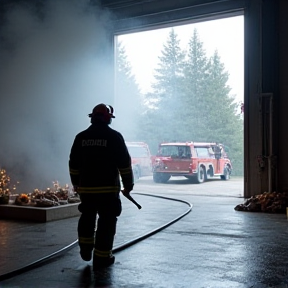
column 91, row 115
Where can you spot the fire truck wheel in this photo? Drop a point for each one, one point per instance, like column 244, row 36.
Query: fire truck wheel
column 156, row 177
column 165, row 178
column 136, row 173
column 160, row 177
column 226, row 175
column 201, row 175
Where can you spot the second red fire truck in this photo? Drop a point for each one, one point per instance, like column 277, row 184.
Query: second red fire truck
column 197, row 161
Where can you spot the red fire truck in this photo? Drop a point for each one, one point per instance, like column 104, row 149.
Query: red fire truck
column 141, row 159
column 194, row 160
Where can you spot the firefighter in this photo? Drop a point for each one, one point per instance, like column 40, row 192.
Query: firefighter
column 98, row 158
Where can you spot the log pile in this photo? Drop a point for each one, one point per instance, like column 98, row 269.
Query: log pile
column 273, row 202
column 48, row 198
column 55, row 196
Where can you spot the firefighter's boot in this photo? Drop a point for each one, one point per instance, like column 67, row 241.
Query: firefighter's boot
column 86, row 254
column 102, row 261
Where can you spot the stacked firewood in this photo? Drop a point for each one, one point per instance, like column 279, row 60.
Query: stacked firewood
column 50, row 197
column 269, row 202
column 55, row 196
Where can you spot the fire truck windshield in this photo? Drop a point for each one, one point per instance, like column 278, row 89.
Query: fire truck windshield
column 174, row 151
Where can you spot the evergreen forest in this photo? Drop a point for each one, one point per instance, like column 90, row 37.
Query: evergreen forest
column 189, row 100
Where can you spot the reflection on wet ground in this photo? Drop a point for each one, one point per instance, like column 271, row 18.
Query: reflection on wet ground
column 213, row 246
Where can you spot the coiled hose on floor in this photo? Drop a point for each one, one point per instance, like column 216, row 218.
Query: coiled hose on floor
column 116, row 249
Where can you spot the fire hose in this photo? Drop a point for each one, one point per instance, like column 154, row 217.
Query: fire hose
column 116, row 249
column 129, row 197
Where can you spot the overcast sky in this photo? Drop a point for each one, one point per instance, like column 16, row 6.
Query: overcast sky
column 225, row 35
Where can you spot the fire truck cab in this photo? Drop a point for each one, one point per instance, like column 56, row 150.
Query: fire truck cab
column 141, row 159
column 197, row 161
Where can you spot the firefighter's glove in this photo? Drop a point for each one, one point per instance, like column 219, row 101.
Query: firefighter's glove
column 127, row 189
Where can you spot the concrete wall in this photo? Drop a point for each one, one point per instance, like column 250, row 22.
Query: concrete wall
column 261, row 83
column 283, row 97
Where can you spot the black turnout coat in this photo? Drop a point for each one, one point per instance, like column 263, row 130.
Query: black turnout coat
column 98, row 157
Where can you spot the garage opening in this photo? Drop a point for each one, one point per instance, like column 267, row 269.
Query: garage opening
column 185, row 83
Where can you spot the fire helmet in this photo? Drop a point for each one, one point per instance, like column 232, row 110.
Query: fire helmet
column 103, row 112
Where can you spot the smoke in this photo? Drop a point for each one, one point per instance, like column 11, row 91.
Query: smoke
column 53, row 71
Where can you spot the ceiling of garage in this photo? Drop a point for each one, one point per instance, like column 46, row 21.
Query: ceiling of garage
column 140, row 14
column 143, row 14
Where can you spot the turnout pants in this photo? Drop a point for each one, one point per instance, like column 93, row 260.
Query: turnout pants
column 108, row 207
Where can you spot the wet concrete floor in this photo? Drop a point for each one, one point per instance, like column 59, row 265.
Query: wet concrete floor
column 212, row 246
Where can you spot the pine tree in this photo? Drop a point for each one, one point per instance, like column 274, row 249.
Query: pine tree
column 166, row 89
column 224, row 124
column 209, row 104
column 194, row 98
column 128, row 97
